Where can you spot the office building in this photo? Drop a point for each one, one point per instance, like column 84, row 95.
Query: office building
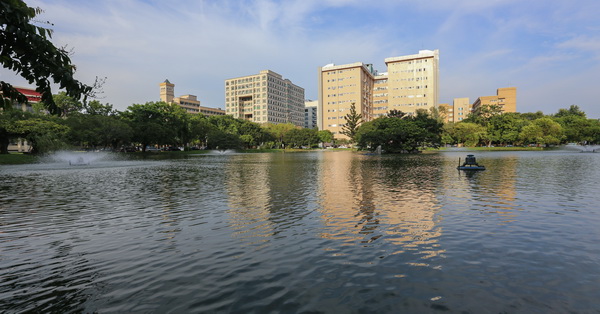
column 190, row 103
column 505, row 97
column 410, row 83
column 458, row 111
column 310, row 114
column 265, row 97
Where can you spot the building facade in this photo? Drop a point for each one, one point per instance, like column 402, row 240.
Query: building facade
column 33, row 97
column 310, row 114
column 265, row 97
column 410, row 83
column 458, row 111
column 190, row 103
column 505, row 97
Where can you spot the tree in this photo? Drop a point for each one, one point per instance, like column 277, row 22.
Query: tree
column 300, row 137
column 325, row 136
column 544, row 131
column 67, row 104
column 94, row 107
column 572, row 111
column 470, row 134
column 278, row 132
column 8, row 118
column 392, row 134
column 153, row 123
column 26, row 49
column 44, row 135
column 98, row 130
column 505, row 128
column 353, row 121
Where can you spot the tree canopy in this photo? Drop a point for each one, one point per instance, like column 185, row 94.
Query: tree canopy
column 27, row 50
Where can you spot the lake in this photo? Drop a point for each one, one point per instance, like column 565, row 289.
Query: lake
column 320, row 232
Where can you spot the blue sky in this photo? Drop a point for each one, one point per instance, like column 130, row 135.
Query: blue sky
column 548, row 49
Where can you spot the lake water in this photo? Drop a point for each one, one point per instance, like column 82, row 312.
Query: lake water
column 330, row 232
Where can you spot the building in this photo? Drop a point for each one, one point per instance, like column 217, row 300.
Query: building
column 33, row 97
column 458, row 111
column 265, row 97
column 410, row 83
column 505, row 97
column 310, row 114
column 190, row 103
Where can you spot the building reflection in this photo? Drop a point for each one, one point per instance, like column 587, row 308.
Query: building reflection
column 493, row 190
column 368, row 198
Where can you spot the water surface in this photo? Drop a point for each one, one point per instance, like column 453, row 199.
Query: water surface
column 331, row 232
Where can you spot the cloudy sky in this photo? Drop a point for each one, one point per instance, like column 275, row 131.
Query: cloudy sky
column 548, row 49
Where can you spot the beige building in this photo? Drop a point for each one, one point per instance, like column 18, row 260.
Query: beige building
column 410, row 83
column 505, row 97
column 265, row 97
column 190, row 103
column 458, row 111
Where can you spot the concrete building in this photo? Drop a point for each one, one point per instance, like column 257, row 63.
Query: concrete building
column 410, row 83
column 458, row 111
column 265, row 97
column 190, row 103
column 310, row 114
column 33, row 97
column 505, row 97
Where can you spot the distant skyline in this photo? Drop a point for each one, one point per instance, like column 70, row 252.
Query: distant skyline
column 548, row 49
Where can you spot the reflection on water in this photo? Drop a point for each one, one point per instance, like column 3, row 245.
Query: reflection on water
column 317, row 232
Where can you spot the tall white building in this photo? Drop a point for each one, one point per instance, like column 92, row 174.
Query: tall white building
column 265, row 97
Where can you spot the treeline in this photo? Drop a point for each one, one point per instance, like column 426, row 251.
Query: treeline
column 95, row 125
column 398, row 132
column 488, row 126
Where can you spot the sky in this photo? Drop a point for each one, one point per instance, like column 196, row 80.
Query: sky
column 548, row 49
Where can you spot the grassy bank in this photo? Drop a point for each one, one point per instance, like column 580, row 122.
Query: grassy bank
column 17, row 159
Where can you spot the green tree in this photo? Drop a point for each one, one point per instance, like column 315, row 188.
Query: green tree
column 544, row 131
column 98, row 130
column 8, row 118
column 67, row 104
column 394, row 135
column 470, row 134
column 26, row 49
column 325, row 136
column 353, row 121
column 505, row 128
column 154, row 123
column 94, row 107
column 278, row 132
column 300, row 137
column 572, row 111
column 43, row 134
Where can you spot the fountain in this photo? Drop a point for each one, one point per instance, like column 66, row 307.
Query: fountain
column 77, row 158
column 583, row 148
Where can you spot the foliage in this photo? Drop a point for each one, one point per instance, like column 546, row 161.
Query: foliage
column 67, row 104
column 278, row 132
column 399, row 133
column 470, row 134
column 325, row 136
column 544, row 131
column 98, row 131
column 27, row 50
column 43, row 134
column 300, row 137
column 8, row 118
column 353, row 121
column 155, row 123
